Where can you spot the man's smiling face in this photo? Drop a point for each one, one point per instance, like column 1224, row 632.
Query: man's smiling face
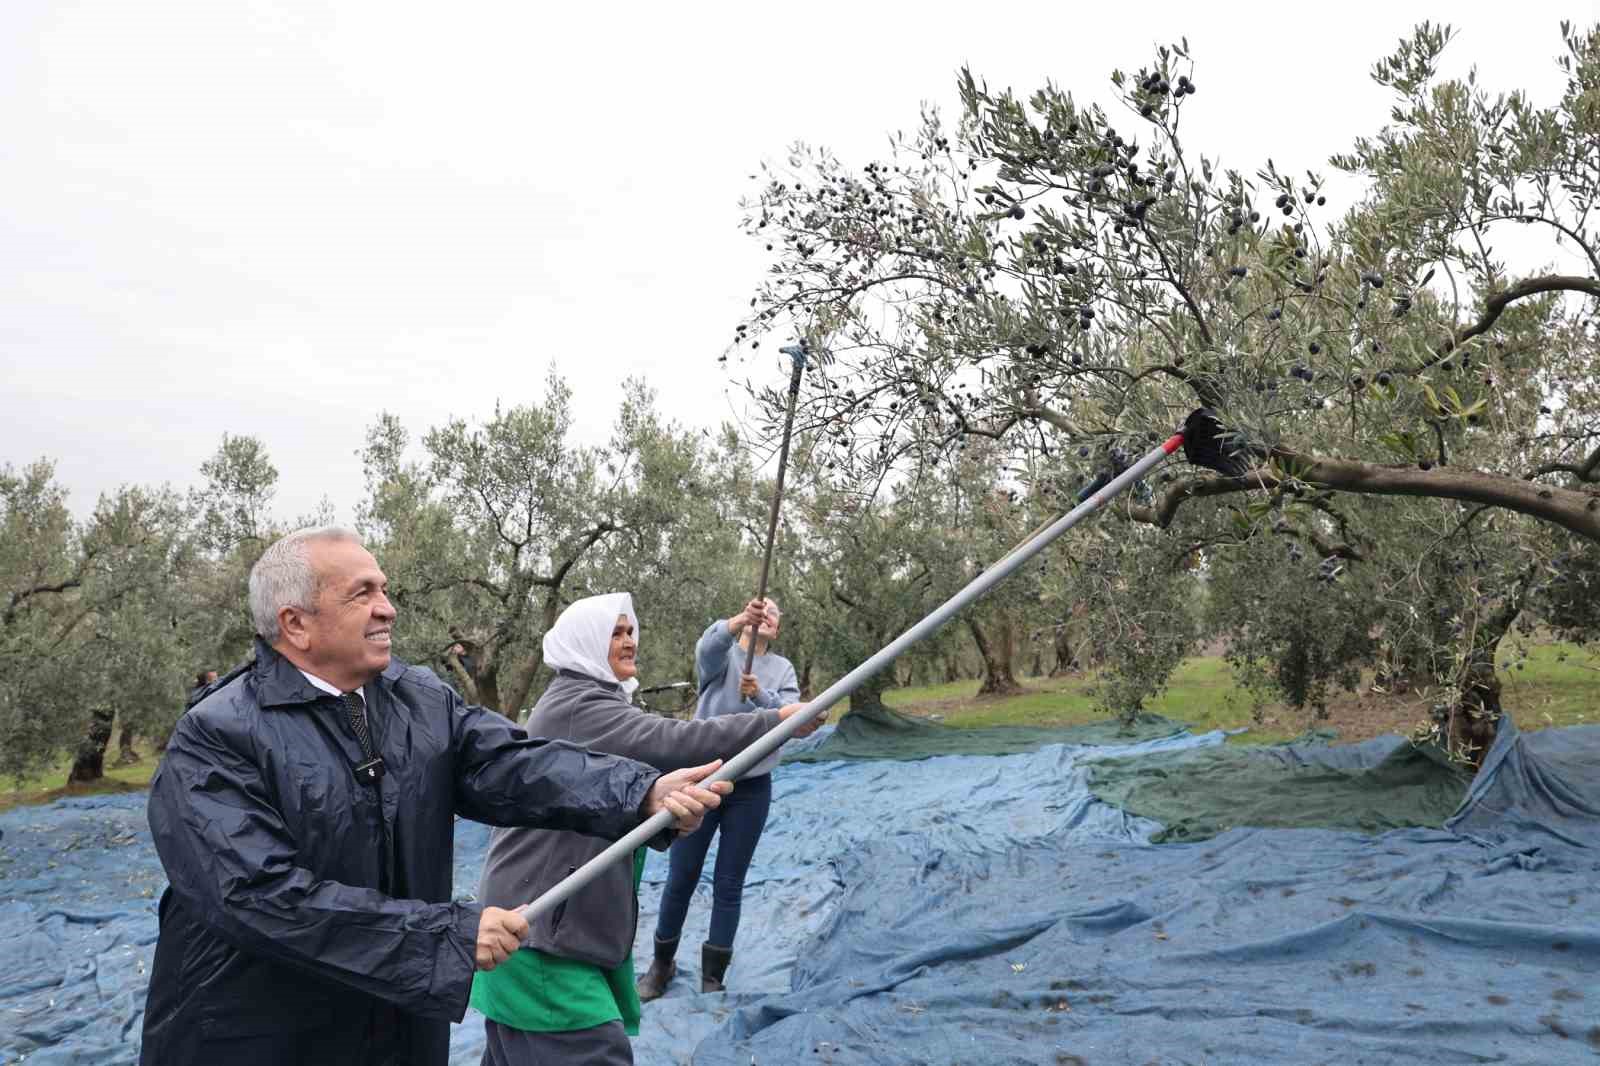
column 351, row 628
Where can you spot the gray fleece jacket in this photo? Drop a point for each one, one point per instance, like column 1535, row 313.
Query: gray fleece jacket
column 719, row 664
column 597, row 925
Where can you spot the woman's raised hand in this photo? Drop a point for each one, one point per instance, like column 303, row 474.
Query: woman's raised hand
column 754, row 613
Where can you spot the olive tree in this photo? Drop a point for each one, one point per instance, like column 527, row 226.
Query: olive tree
column 1072, row 278
column 495, row 528
column 130, row 652
column 86, row 620
column 869, row 579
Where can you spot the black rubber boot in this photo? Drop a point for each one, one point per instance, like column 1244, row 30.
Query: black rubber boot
column 662, row 970
column 713, row 965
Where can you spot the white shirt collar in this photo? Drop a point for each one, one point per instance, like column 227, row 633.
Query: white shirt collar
column 321, row 684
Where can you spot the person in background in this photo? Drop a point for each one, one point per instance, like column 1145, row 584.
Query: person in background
column 725, row 689
column 203, row 680
column 469, row 662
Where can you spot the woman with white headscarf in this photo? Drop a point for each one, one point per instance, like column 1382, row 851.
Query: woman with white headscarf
column 568, row 995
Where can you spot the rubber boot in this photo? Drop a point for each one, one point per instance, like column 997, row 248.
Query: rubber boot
column 662, row 970
column 713, row 965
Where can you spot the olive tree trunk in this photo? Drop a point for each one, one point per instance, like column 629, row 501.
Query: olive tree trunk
column 89, row 757
column 996, row 652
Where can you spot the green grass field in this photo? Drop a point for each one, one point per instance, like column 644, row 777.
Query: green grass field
column 52, row 784
column 1202, row 692
column 1558, row 685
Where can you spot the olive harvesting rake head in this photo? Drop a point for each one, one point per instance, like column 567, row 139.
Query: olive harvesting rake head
column 1207, row 443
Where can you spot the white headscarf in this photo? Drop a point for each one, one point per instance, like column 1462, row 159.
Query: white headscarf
column 581, row 638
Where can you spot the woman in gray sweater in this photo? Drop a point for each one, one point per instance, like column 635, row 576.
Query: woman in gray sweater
column 568, row 995
column 725, row 690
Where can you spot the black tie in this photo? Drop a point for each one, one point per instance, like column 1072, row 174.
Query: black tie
column 356, row 708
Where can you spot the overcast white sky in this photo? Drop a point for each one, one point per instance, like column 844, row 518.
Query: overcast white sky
column 279, row 219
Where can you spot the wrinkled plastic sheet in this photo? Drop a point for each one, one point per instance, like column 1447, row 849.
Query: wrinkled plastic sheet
column 1378, row 784
column 1477, row 942
column 80, row 883
column 888, row 734
column 990, row 910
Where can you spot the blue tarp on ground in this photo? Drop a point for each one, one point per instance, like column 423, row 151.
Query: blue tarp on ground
column 989, row 910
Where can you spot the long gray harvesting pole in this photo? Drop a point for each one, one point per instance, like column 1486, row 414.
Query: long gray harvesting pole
column 796, row 352
column 736, row 766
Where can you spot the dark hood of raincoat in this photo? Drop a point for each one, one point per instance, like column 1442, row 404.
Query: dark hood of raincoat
column 309, row 916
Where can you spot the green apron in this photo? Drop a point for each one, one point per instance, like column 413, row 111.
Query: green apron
column 541, row 993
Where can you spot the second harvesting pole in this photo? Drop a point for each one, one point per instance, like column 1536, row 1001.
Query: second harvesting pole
column 796, row 352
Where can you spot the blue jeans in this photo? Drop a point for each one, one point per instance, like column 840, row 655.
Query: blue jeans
column 742, row 817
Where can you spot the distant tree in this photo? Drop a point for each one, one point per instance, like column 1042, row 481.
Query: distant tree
column 490, row 534
column 234, row 506
column 691, row 552
column 873, row 564
column 985, row 519
column 130, row 656
column 86, row 629
column 233, row 522
column 41, row 571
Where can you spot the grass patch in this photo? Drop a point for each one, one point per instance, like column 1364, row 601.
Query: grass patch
column 50, row 785
column 1556, row 685
column 1202, row 692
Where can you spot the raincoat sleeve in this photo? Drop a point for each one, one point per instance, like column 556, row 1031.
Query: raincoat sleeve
column 232, row 862
column 506, row 778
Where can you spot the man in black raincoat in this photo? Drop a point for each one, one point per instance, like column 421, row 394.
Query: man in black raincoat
column 304, row 813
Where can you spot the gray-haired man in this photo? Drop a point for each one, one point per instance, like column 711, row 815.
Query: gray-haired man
column 304, row 813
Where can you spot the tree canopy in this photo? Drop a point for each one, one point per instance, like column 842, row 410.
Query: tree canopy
column 1070, row 279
